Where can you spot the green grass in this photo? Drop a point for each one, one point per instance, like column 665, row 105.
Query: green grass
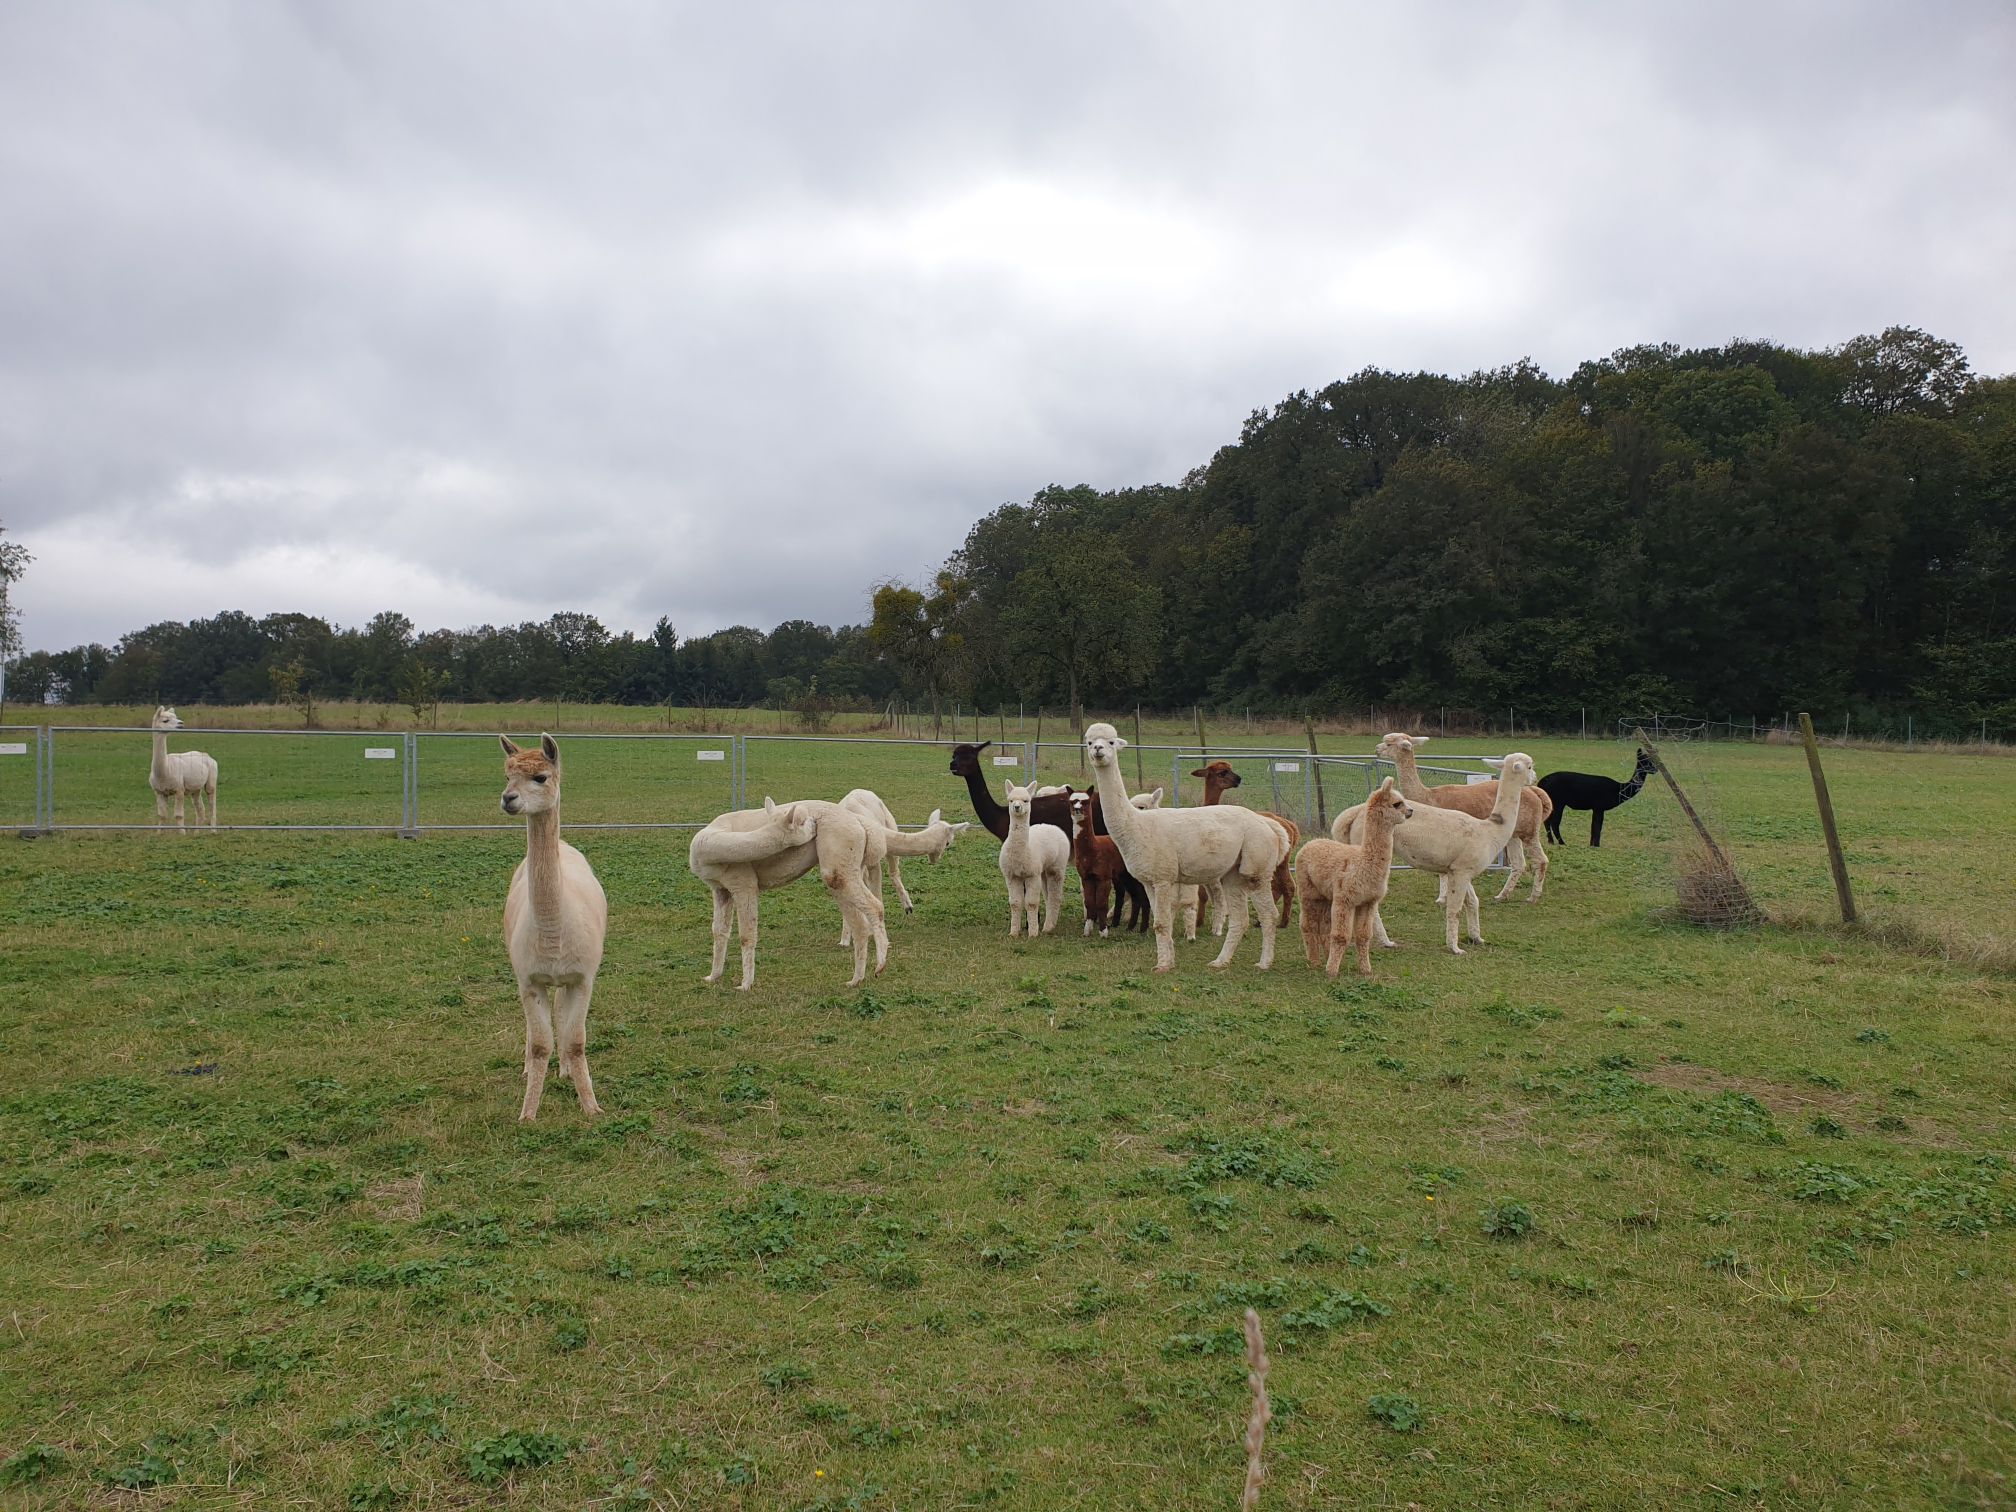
column 1609, row 1212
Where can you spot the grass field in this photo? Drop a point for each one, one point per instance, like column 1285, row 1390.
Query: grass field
column 1610, row 1212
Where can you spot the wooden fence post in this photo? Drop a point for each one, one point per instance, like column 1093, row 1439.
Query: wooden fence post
column 1834, row 856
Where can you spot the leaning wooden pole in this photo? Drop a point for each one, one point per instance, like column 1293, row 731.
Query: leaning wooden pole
column 1316, row 767
column 1659, row 764
column 1834, row 857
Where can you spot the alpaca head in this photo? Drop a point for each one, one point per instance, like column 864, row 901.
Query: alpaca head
column 966, row 758
column 1018, row 799
column 531, row 778
column 1396, row 743
column 167, row 719
column 1081, row 812
column 799, row 826
column 1386, row 808
column 1103, row 744
column 1516, row 768
column 952, row 831
column 1147, row 800
column 1646, row 766
column 1218, row 776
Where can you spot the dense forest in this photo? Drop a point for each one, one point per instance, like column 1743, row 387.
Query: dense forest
column 1726, row 531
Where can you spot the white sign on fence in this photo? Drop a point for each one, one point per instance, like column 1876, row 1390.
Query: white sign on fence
column 14, row 748
column 380, row 753
column 1473, row 778
column 1007, row 761
column 710, row 755
column 1287, row 766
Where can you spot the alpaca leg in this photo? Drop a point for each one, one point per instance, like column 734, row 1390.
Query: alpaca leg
column 1340, row 938
column 722, row 904
column 572, row 1006
column 1315, row 923
column 1596, row 826
column 1361, row 932
column 213, row 805
column 1270, row 927
column 1014, row 906
column 1454, row 887
column 180, row 822
column 538, row 1003
column 1386, row 941
column 1515, row 853
column 1470, row 912
column 1053, row 900
column 160, row 808
column 1234, row 893
column 1190, row 901
column 1540, row 864
column 902, row 893
column 745, row 925
column 1163, row 911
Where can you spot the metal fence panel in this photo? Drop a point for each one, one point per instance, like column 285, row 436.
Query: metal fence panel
column 20, row 776
column 98, row 777
column 912, row 776
column 641, row 781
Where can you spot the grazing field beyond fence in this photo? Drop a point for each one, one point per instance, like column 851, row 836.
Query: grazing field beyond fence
column 1608, row 1212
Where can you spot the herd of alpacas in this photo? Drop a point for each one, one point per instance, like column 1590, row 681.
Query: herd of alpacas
column 1160, row 866
column 1126, row 848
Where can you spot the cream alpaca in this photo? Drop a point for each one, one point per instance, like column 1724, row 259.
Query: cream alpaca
column 185, row 774
column 555, row 920
column 738, row 867
column 1187, row 896
column 1033, row 862
column 1233, row 850
column 1340, row 885
column 1476, row 799
column 931, row 842
column 1452, row 844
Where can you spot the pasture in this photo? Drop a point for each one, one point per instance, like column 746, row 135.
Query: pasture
column 1608, row 1212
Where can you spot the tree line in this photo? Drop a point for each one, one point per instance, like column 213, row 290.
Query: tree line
column 1727, row 531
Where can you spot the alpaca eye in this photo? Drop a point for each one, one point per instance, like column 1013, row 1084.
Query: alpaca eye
column 540, row 780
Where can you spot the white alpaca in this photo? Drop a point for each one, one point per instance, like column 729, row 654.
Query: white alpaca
column 555, row 919
column 751, row 851
column 1477, row 799
column 1454, row 845
column 930, row 842
column 1229, row 850
column 1033, row 862
column 185, row 774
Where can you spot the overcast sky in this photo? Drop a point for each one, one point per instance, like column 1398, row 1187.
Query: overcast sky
column 724, row 312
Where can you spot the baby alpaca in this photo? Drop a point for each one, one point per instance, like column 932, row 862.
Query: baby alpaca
column 185, row 774
column 1341, row 885
column 555, row 920
column 1033, row 859
column 1103, row 876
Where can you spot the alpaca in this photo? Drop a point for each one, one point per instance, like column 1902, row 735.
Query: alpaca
column 1229, row 848
column 1103, row 875
column 1477, row 799
column 186, row 774
column 1340, row 885
column 931, row 842
column 750, row 851
column 1450, row 843
column 555, row 920
column 1219, row 778
column 1599, row 795
column 1033, row 859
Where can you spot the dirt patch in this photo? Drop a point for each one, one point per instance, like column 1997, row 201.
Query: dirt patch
column 1026, row 1108
column 1680, row 1076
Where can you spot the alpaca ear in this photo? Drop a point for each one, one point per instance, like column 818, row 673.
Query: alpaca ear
column 1119, row 741
column 552, row 750
column 1008, row 788
column 1420, row 740
column 1198, row 773
column 769, row 805
column 936, row 815
column 982, row 746
column 509, row 748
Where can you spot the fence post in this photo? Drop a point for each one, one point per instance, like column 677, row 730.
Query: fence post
column 1175, row 780
column 1322, row 813
column 1834, row 856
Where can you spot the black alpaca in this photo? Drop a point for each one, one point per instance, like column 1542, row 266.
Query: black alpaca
column 1580, row 790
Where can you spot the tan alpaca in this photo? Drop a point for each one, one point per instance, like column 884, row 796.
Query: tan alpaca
column 555, row 919
column 1476, row 799
column 185, row 774
column 1341, row 885
column 839, row 843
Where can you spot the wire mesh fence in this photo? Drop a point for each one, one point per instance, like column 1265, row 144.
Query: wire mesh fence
column 20, row 776
column 641, row 781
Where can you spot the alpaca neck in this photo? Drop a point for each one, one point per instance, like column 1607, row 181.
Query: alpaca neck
column 985, row 808
column 1631, row 788
column 1375, row 857
column 160, row 768
column 542, row 876
column 1410, row 783
column 1122, row 818
column 1505, row 812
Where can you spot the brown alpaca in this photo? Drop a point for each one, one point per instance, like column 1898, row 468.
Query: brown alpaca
column 1218, row 777
column 1102, row 875
column 1341, row 885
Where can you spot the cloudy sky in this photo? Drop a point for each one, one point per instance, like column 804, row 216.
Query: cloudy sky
column 482, row 310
